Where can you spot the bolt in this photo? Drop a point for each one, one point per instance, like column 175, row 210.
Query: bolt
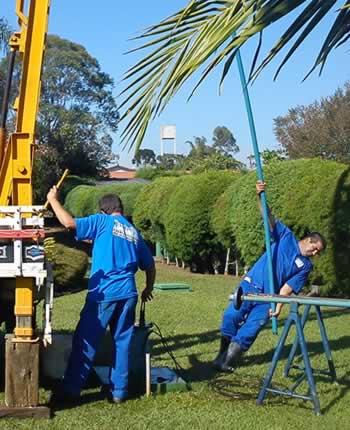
column 22, row 169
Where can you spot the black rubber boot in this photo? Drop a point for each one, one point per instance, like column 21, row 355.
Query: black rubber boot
column 224, row 343
column 231, row 357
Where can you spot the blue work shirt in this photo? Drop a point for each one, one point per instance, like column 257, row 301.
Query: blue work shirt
column 118, row 251
column 289, row 266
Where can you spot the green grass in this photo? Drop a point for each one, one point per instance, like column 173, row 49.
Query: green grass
column 189, row 322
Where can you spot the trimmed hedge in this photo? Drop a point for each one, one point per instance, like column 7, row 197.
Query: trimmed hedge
column 307, row 195
column 71, row 182
column 83, row 200
column 189, row 234
column 69, row 267
column 150, row 208
column 220, row 218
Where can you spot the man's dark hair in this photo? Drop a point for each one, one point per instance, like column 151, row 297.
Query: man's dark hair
column 314, row 237
column 110, row 203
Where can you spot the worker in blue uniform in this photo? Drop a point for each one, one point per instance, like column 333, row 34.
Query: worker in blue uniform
column 291, row 267
column 118, row 251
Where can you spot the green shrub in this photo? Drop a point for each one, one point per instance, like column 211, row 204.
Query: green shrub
column 83, row 200
column 150, row 173
column 72, row 181
column 150, row 207
column 78, row 202
column 69, row 267
column 307, row 195
column 220, row 218
column 189, row 234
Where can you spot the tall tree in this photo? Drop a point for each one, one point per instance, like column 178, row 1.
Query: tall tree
column 199, row 148
column 171, row 161
column 321, row 129
column 5, row 33
column 215, row 161
column 77, row 115
column 224, row 142
column 145, row 157
column 210, row 32
column 269, row 156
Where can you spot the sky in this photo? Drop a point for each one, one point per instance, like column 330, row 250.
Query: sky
column 105, row 28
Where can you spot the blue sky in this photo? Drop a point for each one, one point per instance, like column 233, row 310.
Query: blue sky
column 104, row 29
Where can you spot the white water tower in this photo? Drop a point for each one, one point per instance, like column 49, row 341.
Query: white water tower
column 167, row 134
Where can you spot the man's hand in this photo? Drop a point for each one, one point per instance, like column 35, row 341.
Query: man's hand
column 260, row 187
column 277, row 310
column 64, row 217
column 286, row 290
column 52, row 195
column 146, row 294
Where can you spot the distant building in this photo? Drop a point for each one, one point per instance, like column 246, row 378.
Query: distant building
column 121, row 173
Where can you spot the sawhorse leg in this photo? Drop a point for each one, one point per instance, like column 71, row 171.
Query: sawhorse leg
column 293, row 317
column 325, row 343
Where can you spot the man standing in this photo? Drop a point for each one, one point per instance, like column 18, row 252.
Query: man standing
column 118, row 251
column 291, row 267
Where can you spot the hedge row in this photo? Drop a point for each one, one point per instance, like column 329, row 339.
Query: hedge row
column 196, row 217
column 69, row 267
column 307, row 195
column 83, row 200
column 176, row 212
column 189, row 233
column 193, row 215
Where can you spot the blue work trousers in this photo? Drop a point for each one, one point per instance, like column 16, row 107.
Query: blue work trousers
column 94, row 319
column 243, row 325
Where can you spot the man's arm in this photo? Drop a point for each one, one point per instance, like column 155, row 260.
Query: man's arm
column 286, row 290
column 146, row 294
column 260, row 187
column 64, row 217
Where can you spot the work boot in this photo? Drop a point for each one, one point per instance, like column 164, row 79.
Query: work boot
column 231, row 357
column 224, row 343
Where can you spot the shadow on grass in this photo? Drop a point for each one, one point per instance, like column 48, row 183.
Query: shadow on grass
column 344, row 382
column 314, row 348
column 238, row 386
column 183, row 341
column 84, row 399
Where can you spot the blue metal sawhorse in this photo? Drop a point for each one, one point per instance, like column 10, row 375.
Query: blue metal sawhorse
column 308, row 371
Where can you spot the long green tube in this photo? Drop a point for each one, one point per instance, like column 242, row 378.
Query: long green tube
column 261, row 178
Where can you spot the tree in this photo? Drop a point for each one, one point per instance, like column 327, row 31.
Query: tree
column 224, row 142
column 321, row 129
column 215, row 161
column 200, row 149
column 171, row 161
column 77, row 115
column 144, row 157
column 210, row 32
column 272, row 155
column 5, row 33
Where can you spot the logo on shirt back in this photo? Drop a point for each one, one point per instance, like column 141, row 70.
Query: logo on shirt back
column 299, row 262
column 125, row 232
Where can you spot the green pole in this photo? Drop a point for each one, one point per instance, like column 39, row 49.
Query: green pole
column 261, row 178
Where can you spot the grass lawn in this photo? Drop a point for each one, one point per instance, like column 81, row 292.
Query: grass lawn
column 189, row 321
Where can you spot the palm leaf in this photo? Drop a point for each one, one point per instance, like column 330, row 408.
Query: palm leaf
column 201, row 35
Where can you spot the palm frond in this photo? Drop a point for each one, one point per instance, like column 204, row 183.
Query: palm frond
column 209, row 33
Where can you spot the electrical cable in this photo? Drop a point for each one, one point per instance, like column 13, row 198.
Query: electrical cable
column 159, row 334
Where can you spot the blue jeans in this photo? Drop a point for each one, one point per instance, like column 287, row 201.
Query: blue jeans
column 243, row 325
column 94, row 319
